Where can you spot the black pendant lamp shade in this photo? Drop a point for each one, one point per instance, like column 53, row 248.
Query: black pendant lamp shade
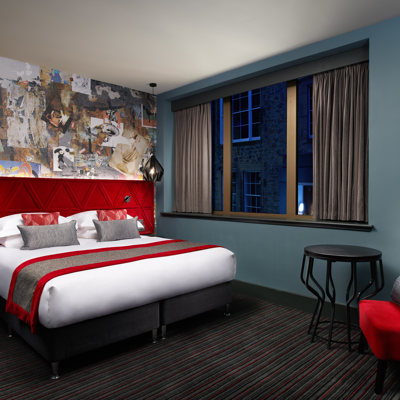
column 152, row 170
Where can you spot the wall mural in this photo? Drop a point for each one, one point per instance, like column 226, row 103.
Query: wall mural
column 55, row 124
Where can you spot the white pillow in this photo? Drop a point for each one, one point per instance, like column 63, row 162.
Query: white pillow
column 14, row 241
column 84, row 220
column 88, row 234
column 85, row 226
column 9, row 223
column 139, row 224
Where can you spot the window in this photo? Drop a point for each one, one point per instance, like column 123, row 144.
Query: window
column 246, row 116
column 252, row 191
column 309, row 109
column 217, row 155
column 304, row 146
column 260, row 132
column 255, row 138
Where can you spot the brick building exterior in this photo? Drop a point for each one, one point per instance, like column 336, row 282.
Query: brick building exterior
column 263, row 158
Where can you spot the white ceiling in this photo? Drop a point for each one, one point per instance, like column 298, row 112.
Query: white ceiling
column 171, row 42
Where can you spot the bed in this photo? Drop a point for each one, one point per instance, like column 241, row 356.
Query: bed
column 86, row 310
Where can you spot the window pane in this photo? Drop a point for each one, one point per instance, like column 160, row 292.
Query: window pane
column 304, row 146
column 240, row 129
column 217, row 154
column 256, row 116
column 244, row 103
column 235, row 104
column 252, row 191
column 245, row 113
column 260, row 165
column 255, row 99
column 240, row 102
column 236, row 120
column 236, row 133
column 255, row 131
column 244, row 132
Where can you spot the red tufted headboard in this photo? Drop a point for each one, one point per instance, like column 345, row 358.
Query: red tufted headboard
column 70, row 196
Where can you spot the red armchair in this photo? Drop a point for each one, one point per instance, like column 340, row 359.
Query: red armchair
column 380, row 327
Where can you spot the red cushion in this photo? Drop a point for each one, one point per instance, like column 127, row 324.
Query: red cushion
column 110, row 215
column 41, row 219
column 380, row 324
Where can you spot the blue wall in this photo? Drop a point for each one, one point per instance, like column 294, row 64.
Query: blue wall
column 270, row 255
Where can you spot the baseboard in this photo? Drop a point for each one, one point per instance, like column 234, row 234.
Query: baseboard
column 293, row 300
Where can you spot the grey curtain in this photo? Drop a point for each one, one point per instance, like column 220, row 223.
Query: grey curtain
column 193, row 159
column 340, row 144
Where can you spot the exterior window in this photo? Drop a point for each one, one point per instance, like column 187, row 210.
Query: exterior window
column 246, row 116
column 265, row 154
column 217, row 154
column 268, row 161
column 304, row 146
column 252, row 192
column 309, row 109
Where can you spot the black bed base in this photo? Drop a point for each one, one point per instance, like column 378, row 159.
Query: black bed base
column 58, row 344
column 187, row 305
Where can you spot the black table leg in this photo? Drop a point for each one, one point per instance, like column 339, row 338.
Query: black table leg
column 381, row 275
column 332, row 298
column 378, row 286
column 305, row 281
column 353, row 280
column 372, row 280
column 378, row 281
column 320, row 296
column 312, row 290
column 302, row 270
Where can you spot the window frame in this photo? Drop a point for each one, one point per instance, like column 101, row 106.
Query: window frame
column 291, row 160
column 249, row 110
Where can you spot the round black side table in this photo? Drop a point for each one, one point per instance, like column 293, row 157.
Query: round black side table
column 339, row 253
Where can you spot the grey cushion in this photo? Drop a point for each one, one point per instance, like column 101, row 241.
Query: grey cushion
column 40, row 236
column 116, row 230
column 396, row 291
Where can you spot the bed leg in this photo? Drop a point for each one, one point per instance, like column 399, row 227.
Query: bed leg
column 55, row 366
column 163, row 332
column 9, row 331
column 154, row 334
column 227, row 312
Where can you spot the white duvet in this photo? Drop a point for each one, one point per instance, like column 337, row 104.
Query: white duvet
column 75, row 297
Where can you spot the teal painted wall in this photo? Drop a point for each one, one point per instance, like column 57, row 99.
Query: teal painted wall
column 270, row 255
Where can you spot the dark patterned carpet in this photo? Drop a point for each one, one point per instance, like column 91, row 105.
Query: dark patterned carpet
column 261, row 352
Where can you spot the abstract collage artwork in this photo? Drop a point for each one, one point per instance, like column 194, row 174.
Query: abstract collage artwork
column 56, row 124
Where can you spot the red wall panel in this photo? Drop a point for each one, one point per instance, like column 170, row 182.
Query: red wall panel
column 70, row 196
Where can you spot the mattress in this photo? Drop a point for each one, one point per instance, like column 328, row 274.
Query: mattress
column 83, row 295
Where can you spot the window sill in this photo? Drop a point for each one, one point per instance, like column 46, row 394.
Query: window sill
column 349, row 226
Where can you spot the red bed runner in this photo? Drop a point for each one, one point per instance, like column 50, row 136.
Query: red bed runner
column 30, row 277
